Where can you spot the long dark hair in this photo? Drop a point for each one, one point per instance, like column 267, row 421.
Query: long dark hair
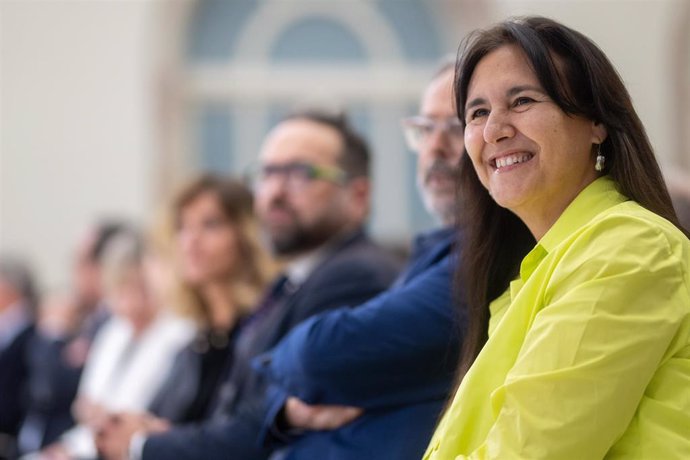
column 580, row 79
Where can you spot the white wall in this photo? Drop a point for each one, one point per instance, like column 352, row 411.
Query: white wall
column 637, row 36
column 78, row 99
column 76, row 122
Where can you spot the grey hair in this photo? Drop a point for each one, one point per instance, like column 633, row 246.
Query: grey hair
column 16, row 272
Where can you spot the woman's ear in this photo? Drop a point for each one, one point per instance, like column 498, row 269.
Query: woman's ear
column 599, row 132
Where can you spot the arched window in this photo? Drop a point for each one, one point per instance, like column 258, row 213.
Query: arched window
column 245, row 63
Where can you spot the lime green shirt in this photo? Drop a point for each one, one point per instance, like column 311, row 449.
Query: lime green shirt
column 588, row 355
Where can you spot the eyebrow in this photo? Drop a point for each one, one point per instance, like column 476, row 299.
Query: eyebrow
column 519, row 89
column 511, row 92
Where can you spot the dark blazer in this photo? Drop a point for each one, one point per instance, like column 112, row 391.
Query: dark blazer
column 53, row 383
column 354, row 271
column 52, row 387
column 13, row 395
column 394, row 356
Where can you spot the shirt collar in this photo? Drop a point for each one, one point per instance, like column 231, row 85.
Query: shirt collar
column 302, row 266
column 592, row 200
column 299, row 269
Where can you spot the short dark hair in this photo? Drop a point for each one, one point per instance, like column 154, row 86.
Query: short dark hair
column 105, row 232
column 355, row 158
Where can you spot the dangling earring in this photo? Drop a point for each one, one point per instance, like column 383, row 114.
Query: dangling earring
column 601, row 160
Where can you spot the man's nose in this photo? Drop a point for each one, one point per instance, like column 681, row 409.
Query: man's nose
column 440, row 144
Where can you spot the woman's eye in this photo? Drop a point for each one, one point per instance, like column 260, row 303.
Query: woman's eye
column 212, row 223
column 478, row 113
column 426, row 129
column 522, row 101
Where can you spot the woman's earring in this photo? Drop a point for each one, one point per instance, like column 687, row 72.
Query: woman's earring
column 601, row 160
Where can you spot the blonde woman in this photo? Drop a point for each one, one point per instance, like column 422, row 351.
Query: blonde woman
column 221, row 270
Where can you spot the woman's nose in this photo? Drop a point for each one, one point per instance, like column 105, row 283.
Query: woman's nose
column 498, row 127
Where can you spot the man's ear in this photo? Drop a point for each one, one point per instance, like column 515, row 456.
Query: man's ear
column 360, row 196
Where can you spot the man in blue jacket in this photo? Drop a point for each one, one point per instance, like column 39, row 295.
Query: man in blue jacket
column 370, row 382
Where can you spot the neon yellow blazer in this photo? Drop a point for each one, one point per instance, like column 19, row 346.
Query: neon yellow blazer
column 588, row 354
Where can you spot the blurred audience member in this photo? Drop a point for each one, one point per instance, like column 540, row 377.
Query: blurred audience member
column 312, row 197
column 88, row 284
column 53, row 381
column 67, row 325
column 17, row 302
column 133, row 351
column 392, row 360
column 222, row 269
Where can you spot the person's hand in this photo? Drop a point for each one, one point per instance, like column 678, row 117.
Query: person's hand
column 54, row 451
column 88, row 413
column 318, row 417
column 115, row 433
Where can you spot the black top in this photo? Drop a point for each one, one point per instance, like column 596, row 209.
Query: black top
column 194, row 380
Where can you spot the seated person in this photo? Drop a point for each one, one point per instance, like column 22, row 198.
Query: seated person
column 392, row 360
column 67, row 324
column 312, row 199
column 18, row 300
column 221, row 269
column 576, row 267
column 132, row 352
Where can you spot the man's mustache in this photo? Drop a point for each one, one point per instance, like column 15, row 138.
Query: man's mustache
column 441, row 167
column 281, row 205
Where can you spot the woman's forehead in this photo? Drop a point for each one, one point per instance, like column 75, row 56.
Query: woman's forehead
column 505, row 66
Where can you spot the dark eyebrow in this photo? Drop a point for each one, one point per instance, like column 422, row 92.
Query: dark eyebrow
column 518, row 89
column 475, row 102
column 511, row 92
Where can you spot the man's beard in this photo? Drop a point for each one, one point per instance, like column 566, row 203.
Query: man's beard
column 299, row 237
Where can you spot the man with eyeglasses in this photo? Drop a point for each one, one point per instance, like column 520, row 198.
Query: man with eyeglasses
column 369, row 383
column 436, row 135
column 312, row 192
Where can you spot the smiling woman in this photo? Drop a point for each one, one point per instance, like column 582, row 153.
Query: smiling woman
column 578, row 346
column 533, row 157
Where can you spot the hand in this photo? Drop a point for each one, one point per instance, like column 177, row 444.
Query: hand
column 115, row 433
column 54, row 452
column 318, row 417
column 88, row 412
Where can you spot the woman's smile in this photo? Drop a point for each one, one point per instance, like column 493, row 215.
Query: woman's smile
column 510, row 161
column 531, row 156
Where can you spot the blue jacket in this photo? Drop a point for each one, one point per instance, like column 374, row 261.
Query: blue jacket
column 394, row 356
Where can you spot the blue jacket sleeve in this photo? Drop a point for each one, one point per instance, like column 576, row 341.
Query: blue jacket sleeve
column 233, row 437
column 399, row 348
